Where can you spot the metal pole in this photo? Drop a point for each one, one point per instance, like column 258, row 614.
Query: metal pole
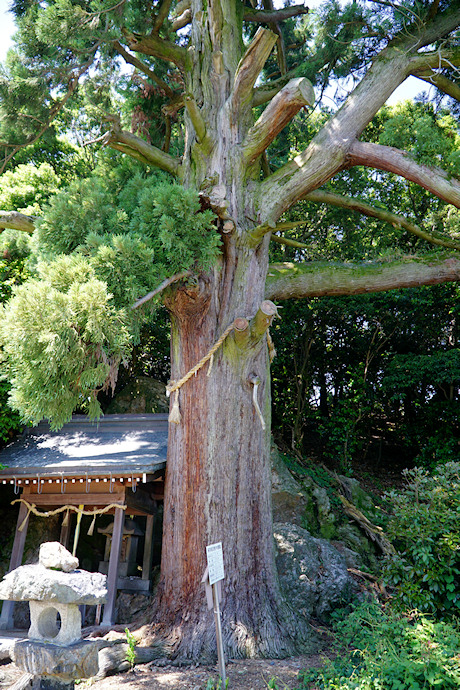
column 220, row 646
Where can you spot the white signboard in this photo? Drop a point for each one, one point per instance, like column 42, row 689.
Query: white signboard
column 215, row 559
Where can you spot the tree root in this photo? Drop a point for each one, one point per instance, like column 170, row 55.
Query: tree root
column 374, row 532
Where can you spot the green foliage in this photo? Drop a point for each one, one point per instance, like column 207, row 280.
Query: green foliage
column 431, row 138
column 9, row 419
column 82, row 208
column 27, row 187
column 125, row 263
column 181, row 233
column 63, row 340
column 340, row 431
column 212, row 684
column 65, row 331
column 131, row 651
column 162, row 220
column 378, row 650
column 369, row 373
column 425, row 530
column 14, row 249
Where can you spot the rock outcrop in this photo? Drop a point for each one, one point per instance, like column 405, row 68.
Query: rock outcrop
column 313, row 574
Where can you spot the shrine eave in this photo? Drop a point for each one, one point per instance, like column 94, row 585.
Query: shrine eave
column 117, row 447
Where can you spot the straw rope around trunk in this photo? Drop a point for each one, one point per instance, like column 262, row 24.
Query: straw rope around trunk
column 174, row 386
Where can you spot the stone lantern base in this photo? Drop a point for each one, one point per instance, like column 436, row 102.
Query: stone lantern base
column 58, row 667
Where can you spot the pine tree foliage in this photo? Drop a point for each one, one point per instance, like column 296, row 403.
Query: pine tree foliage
column 66, row 331
column 64, row 340
column 28, row 187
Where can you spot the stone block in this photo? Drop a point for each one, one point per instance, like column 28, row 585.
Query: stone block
column 53, row 555
column 44, row 624
column 313, row 574
column 70, row 663
column 37, row 583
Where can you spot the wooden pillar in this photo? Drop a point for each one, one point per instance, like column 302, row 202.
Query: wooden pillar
column 6, row 619
column 148, row 548
column 65, row 531
column 112, row 577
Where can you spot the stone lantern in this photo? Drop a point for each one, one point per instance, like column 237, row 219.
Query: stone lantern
column 54, row 652
column 129, row 545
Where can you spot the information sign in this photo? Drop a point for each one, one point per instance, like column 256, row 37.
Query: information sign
column 215, row 559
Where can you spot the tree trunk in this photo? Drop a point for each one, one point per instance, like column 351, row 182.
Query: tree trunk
column 218, row 482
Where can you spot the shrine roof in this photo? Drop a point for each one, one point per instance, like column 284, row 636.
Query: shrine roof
column 115, row 446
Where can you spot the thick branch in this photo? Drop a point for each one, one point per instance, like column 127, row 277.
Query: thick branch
column 268, row 16
column 161, row 16
column 153, row 45
column 320, row 279
column 424, row 67
column 250, row 66
column 196, row 117
column 322, row 197
column 133, row 60
column 135, row 147
column 436, row 59
column 17, row 221
column 275, row 26
column 393, row 160
column 442, row 83
column 183, row 20
column 265, row 93
column 288, row 243
column 328, row 152
column 286, row 104
column 441, row 25
column 263, row 318
column 261, row 230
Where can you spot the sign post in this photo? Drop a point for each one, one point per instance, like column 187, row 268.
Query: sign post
column 215, row 573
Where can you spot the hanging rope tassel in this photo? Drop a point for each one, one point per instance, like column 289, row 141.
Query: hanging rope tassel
column 77, row 529
column 255, row 382
column 174, row 414
column 24, row 522
column 271, row 347
column 65, row 520
column 91, row 527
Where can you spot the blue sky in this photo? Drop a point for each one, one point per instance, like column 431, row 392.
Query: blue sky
column 6, row 28
column 409, row 89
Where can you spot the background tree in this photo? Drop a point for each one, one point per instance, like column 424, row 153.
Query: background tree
column 206, row 238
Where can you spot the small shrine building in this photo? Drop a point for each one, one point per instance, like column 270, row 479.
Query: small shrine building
column 115, row 466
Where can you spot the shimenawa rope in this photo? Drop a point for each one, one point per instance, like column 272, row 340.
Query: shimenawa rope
column 31, row 508
column 174, row 386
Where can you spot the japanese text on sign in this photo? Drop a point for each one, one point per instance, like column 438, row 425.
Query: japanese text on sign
column 215, row 559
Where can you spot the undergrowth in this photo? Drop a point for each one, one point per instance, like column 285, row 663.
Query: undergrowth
column 384, row 650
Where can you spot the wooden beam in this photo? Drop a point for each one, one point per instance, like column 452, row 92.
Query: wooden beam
column 75, row 499
column 6, row 619
column 112, row 577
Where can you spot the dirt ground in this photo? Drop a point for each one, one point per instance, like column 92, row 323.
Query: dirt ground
column 243, row 674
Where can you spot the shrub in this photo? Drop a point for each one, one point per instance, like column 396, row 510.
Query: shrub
column 380, row 650
column 425, row 531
